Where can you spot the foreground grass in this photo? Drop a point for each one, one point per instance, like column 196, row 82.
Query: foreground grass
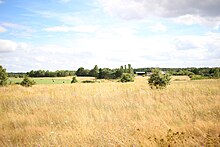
column 187, row 113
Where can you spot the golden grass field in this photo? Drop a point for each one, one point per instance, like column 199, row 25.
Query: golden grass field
column 187, row 113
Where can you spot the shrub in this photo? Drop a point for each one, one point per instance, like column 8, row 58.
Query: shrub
column 27, row 82
column 127, row 77
column 158, row 80
column 3, row 76
column 88, row 81
column 74, row 80
column 198, row 77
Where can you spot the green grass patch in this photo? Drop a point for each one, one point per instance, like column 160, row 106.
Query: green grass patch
column 42, row 80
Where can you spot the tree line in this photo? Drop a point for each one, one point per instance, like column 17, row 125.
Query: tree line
column 191, row 71
column 105, row 73
column 43, row 73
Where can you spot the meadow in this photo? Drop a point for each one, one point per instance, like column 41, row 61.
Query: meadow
column 186, row 113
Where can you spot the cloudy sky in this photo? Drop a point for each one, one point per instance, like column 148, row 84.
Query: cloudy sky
column 68, row 34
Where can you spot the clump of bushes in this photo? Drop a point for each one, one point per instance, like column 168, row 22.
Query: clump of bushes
column 127, row 77
column 74, row 80
column 3, row 76
column 88, row 81
column 27, row 82
column 158, row 80
column 198, row 77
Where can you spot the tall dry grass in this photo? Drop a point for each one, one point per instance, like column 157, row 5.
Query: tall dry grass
column 187, row 113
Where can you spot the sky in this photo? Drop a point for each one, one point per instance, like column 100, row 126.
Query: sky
column 68, row 34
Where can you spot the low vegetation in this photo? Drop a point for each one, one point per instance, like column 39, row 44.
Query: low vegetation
column 127, row 77
column 74, row 80
column 27, row 82
column 3, row 76
column 158, row 80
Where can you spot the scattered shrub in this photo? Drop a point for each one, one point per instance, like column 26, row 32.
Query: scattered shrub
column 3, row 76
column 127, row 77
column 158, row 80
column 88, row 81
column 27, row 82
column 74, row 80
column 197, row 77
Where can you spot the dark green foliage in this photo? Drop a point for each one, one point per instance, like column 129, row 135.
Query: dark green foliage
column 88, row 81
column 27, row 82
column 3, row 76
column 127, row 77
column 74, row 80
column 105, row 73
column 158, row 80
column 82, row 72
column 47, row 73
column 198, row 77
column 94, row 72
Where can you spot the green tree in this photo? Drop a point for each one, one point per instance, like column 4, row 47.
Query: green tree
column 94, row 72
column 3, row 76
column 158, row 80
column 27, row 82
column 74, row 80
column 130, row 69
column 127, row 77
column 216, row 73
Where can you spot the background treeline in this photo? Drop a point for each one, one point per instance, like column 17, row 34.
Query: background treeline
column 205, row 71
column 43, row 73
column 107, row 73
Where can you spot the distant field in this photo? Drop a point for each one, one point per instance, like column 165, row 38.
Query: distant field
column 111, row 113
column 67, row 80
column 48, row 80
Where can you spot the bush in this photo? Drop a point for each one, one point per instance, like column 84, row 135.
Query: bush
column 27, row 82
column 3, row 76
column 88, row 81
column 127, row 77
column 74, row 80
column 158, row 80
column 198, row 77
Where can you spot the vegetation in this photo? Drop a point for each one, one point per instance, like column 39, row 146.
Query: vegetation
column 27, row 82
column 205, row 71
column 3, row 76
column 127, row 77
column 158, row 80
column 47, row 73
column 74, row 80
column 111, row 114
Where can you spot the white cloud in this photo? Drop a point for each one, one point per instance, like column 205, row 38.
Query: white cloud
column 9, row 46
column 1, row 1
column 158, row 27
column 2, row 29
column 189, row 19
column 18, row 30
column 81, row 29
column 133, row 9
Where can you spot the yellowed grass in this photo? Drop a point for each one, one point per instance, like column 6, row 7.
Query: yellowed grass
column 187, row 113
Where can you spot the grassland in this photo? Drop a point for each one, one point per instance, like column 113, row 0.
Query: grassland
column 49, row 81
column 187, row 113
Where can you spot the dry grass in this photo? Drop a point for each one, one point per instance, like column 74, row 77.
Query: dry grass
column 187, row 113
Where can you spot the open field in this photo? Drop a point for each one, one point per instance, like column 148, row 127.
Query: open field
column 67, row 80
column 187, row 113
column 51, row 80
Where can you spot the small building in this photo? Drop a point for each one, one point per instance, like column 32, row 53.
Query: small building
column 140, row 73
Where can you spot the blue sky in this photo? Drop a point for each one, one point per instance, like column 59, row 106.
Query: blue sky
column 68, row 34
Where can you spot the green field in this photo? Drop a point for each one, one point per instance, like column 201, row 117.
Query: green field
column 44, row 80
column 47, row 80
